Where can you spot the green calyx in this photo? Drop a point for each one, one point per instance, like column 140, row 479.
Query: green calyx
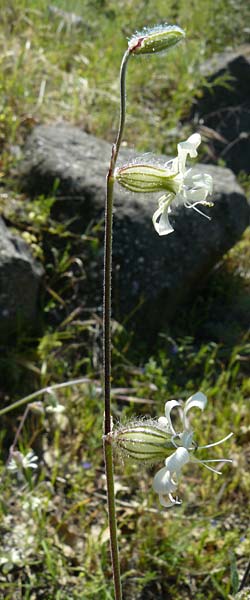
column 146, row 443
column 157, row 39
column 146, row 179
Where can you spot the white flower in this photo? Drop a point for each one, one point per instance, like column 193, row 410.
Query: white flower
column 166, row 480
column 20, row 461
column 181, row 186
column 189, row 188
column 55, row 408
column 32, row 503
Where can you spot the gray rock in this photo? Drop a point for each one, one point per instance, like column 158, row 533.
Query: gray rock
column 20, row 281
column 223, row 110
column 160, row 272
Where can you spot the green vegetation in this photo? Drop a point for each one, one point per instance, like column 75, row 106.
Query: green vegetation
column 53, row 522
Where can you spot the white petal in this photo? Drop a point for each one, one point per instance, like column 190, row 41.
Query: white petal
column 189, row 147
column 166, row 200
column 194, row 140
column 168, row 408
column 209, row 182
column 199, row 400
column 198, row 180
column 161, row 221
column 195, row 196
column 162, row 482
column 186, row 439
column 177, row 460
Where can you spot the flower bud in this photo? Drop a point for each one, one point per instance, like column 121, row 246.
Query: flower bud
column 156, row 39
column 145, row 442
column 144, row 178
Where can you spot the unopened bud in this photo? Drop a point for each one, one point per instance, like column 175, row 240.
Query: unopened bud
column 144, row 178
column 144, row 442
column 156, row 39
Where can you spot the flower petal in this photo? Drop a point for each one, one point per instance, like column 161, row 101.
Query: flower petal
column 160, row 218
column 198, row 400
column 195, row 196
column 162, row 483
column 186, row 439
column 168, row 408
column 189, row 147
column 198, row 180
column 177, row 460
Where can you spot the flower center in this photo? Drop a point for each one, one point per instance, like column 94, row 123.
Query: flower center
column 185, row 440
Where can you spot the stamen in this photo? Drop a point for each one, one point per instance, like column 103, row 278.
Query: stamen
column 194, row 446
column 211, row 469
column 218, row 460
column 197, row 209
column 174, row 500
column 207, row 467
column 217, row 443
column 176, row 435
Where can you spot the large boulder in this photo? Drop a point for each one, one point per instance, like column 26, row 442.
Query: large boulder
column 223, row 110
column 157, row 272
column 20, row 282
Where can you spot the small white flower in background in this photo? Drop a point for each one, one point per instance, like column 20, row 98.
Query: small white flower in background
column 20, row 461
column 166, row 479
column 55, row 408
column 53, row 405
column 55, row 411
column 32, row 503
column 181, row 186
column 18, row 543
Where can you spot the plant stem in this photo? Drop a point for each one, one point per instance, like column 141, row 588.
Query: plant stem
column 123, row 103
column 45, row 390
column 107, row 335
column 108, row 454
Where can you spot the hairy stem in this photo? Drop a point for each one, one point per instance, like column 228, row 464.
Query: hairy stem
column 107, row 335
column 108, row 454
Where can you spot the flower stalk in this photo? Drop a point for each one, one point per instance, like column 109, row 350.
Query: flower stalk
column 108, row 453
column 149, row 41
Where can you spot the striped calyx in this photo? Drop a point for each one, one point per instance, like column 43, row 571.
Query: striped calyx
column 144, row 442
column 145, row 178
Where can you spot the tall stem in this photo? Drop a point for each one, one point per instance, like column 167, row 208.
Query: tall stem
column 107, row 335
